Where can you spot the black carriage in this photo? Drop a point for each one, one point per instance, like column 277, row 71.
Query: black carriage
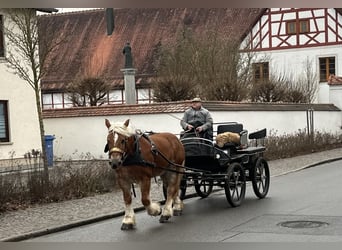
column 228, row 166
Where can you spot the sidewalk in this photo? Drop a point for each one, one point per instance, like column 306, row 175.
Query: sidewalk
column 39, row 220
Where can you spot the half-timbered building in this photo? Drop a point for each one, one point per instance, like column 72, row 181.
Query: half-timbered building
column 297, row 39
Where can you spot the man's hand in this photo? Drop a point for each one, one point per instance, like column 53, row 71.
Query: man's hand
column 199, row 129
column 190, row 127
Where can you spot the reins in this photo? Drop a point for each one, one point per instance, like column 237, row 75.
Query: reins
column 156, row 151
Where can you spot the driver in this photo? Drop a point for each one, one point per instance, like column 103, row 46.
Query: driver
column 198, row 118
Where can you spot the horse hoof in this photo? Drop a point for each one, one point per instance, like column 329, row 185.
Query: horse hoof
column 177, row 212
column 125, row 226
column 164, row 218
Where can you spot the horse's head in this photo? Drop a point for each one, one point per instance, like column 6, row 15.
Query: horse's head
column 118, row 138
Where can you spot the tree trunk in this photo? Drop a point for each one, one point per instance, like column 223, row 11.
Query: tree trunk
column 42, row 138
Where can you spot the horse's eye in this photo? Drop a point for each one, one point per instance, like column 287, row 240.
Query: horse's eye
column 122, row 141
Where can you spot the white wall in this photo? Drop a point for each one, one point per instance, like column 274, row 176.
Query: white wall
column 335, row 95
column 22, row 111
column 79, row 136
column 23, row 117
column 291, row 62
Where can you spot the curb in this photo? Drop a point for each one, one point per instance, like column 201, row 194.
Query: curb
column 311, row 165
column 77, row 223
column 121, row 213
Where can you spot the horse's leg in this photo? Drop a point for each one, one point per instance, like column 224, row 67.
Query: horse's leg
column 152, row 208
column 177, row 206
column 173, row 183
column 128, row 221
column 177, row 202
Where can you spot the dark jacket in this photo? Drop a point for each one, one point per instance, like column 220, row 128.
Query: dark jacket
column 191, row 116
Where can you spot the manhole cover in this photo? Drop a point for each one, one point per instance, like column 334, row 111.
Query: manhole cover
column 303, row 224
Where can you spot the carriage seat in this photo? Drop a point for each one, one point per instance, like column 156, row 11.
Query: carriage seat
column 234, row 134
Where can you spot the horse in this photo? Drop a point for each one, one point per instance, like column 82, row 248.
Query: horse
column 137, row 157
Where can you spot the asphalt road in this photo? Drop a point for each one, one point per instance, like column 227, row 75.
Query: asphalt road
column 304, row 206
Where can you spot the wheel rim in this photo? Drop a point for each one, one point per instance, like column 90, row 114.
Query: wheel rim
column 261, row 178
column 203, row 187
column 235, row 187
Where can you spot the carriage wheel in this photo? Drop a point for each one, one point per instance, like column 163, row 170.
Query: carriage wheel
column 260, row 176
column 182, row 189
column 203, row 187
column 235, row 184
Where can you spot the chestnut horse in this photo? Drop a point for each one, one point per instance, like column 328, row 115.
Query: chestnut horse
column 136, row 158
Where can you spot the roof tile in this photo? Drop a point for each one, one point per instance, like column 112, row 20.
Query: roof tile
column 90, row 48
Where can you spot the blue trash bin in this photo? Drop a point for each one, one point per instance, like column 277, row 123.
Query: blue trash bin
column 49, row 148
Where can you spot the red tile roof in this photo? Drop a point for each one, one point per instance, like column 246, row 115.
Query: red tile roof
column 179, row 107
column 89, row 47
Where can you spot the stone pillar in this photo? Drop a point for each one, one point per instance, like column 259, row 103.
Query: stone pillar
column 129, row 84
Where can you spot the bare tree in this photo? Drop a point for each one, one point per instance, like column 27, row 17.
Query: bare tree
column 206, row 64
column 89, row 88
column 223, row 72
column 175, row 70
column 25, row 59
column 268, row 90
column 287, row 87
column 308, row 81
column 88, row 91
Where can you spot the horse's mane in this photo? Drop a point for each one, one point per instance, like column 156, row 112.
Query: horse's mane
column 120, row 128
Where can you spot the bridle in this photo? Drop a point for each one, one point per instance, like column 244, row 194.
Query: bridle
column 116, row 149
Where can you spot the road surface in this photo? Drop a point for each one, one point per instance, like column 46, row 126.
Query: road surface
column 303, row 206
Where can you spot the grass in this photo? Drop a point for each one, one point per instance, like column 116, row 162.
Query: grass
column 73, row 180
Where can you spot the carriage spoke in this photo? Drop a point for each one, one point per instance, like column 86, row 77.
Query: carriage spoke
column 261, row 177
column 236, row 186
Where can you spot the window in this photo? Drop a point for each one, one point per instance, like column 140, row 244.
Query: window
column 144, row 95
column 303, row 26
column 2, row 46
column 326, row 68
column 261, row 71
column 300, row 26
column 4, row 132
column 291, row 28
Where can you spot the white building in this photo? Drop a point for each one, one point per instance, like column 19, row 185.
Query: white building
column 292, row 39
column 19, row 125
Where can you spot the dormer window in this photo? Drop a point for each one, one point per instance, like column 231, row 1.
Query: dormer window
column 297, row 26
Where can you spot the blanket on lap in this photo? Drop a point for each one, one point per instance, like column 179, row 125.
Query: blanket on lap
column 226, row 137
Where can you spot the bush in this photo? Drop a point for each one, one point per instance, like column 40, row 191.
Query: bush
column 68, row 180
column 289, row 145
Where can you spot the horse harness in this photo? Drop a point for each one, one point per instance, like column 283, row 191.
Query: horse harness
column 136, row 158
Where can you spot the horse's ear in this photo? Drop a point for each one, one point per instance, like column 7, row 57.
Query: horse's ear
column 107, row 123
column 126, row 123
column 106, row 149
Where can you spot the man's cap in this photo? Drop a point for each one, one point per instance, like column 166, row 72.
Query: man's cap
column 196, row 99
